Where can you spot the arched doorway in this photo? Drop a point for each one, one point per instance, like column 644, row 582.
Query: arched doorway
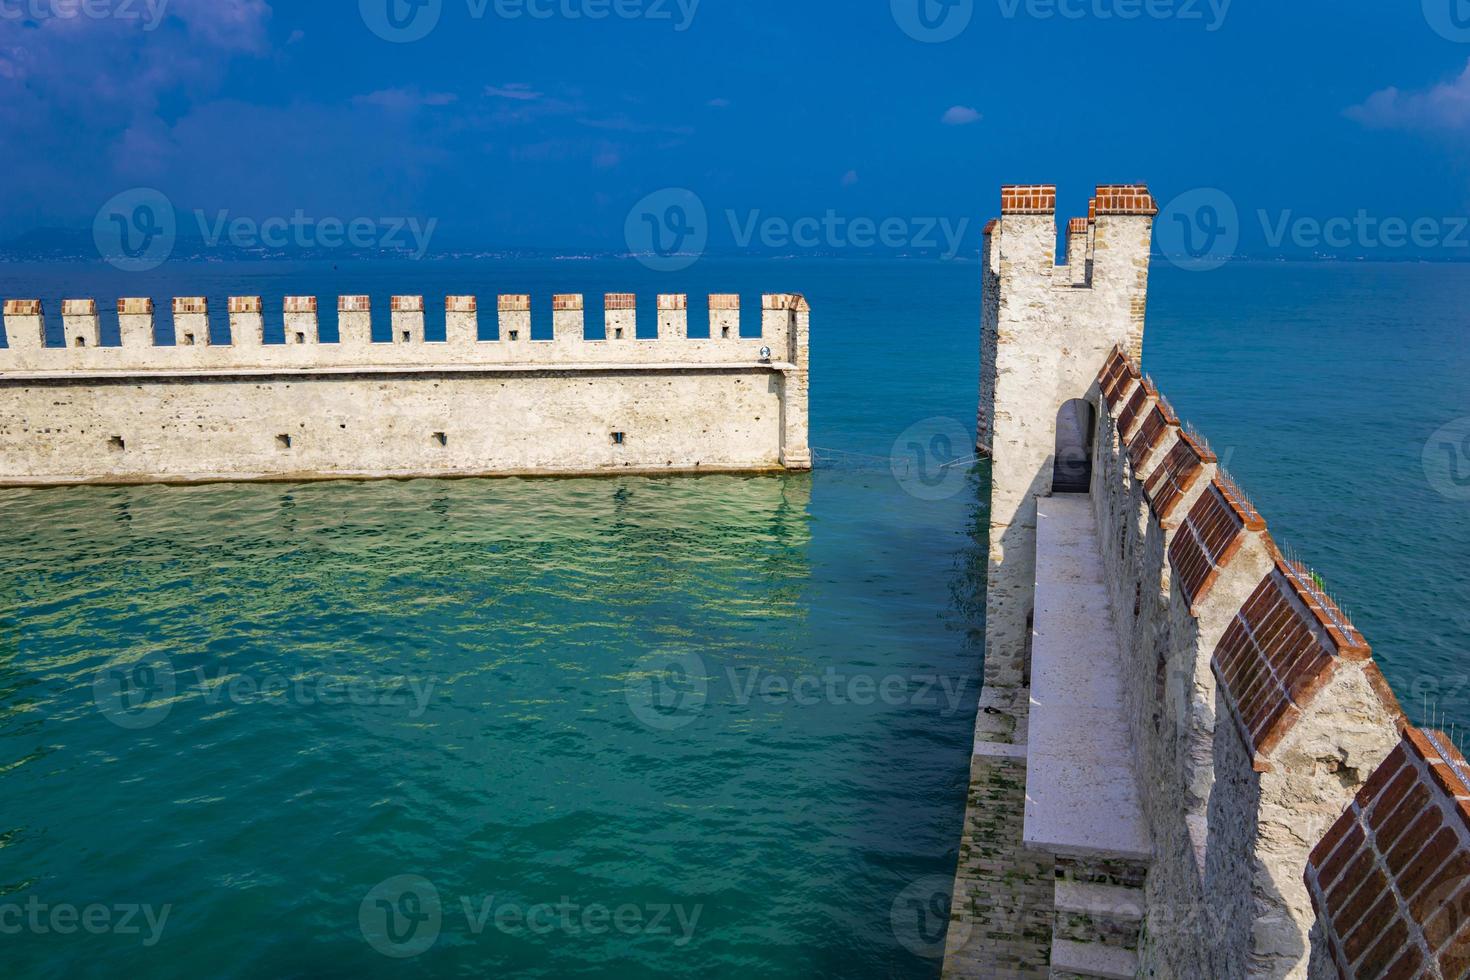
column 1072, row 466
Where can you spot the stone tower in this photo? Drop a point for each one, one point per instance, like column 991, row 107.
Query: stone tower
column 1045, row 329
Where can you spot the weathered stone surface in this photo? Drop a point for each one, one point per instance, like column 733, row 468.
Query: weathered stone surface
column 304, row 409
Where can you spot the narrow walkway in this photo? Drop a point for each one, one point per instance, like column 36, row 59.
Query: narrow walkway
column 1082, row 796
column 1051, row 776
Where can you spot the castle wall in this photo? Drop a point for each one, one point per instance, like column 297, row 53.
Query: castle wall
column 1255, row 710
column 202, row 410
column 1255, row 706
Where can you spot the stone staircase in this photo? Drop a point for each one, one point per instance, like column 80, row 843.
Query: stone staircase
column 1096, row 926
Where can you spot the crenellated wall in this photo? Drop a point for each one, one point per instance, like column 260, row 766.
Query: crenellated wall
column 1256, row 707
column 1282, row 843
column 213, row 408
column 1391, row 880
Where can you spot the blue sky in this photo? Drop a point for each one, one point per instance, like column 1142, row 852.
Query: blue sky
column 514, row 130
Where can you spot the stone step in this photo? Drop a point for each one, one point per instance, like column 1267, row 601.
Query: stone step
column 1086, row 912
column 1069, row 959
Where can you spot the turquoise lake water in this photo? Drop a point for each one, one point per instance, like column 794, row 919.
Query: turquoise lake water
column 299, row 730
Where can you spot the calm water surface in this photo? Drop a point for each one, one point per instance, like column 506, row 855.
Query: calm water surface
column 254, row 705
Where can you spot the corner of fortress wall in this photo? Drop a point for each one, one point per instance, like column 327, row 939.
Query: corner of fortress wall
column 215, row 401
column 1255, row 709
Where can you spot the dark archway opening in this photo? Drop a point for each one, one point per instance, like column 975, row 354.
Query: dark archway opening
column 1072, row 467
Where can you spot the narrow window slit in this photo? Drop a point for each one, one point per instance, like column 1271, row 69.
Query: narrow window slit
column 619, row 438
column 283, row 442
column 441, row 438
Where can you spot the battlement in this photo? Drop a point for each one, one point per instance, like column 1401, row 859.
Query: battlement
column 1254, row 702
column 193, row 340
column 1033, row 309
column 1391, row 879
column 193, row 396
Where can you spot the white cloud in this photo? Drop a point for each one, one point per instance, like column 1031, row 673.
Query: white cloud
column 519, row 91
column 718, row 103
column 849, row 178
column 1444, row 106
column 960, row 115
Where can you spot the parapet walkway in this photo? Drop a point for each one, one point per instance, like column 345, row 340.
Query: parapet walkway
column 1054, row 841
column 1082, row 796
